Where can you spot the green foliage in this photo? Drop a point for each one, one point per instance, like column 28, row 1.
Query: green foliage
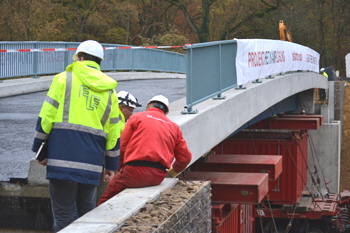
column 116, row 36
column 171, row 38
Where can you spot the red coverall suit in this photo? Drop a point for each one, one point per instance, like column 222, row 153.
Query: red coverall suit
column 149, row 144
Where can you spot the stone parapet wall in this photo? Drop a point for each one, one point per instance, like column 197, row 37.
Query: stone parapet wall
column 186, row 207
column 345, row 150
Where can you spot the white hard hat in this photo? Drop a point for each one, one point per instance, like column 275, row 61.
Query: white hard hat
column 128, row 99
column 91, row 47
column 322, row 70
column 162, row 99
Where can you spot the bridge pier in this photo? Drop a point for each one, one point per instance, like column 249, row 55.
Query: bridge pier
column 325, row 143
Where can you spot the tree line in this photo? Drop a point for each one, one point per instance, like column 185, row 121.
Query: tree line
column 319, row 24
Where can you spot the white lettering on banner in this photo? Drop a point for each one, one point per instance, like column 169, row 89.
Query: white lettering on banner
column 265, row 58
column 259, row 58
column 347, row 64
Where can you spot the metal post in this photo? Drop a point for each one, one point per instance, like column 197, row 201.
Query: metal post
column 257, row 81
column 114, row 59
column 35, row 61
column 240, row 87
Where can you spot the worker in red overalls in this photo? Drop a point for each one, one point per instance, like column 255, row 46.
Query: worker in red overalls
column 149, row 144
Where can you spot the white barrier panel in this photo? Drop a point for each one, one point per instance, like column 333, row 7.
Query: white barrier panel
column 347, row 65
column 257, row 58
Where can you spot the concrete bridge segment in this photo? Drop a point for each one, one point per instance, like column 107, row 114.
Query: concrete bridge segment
column 218, row 119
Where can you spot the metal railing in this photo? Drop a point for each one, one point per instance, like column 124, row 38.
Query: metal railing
column 34, row 62
column 210, row 71
column 215, row 67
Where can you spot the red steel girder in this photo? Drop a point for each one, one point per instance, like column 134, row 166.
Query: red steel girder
column 271, row 164
column 303, row 116
column 227, row 187
column 294, row 122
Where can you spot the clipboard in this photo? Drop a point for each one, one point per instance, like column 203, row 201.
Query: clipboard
column 42, row 152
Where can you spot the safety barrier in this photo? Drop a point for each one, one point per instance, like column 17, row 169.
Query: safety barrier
column 210, row 71
column 41, row 58
column 215, row 67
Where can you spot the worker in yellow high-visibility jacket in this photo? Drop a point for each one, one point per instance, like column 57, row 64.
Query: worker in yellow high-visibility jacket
column 79, row 120
column 323, row 72
column 322, row 92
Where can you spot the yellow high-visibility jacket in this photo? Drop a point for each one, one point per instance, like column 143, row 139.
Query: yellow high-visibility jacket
column 80, row 120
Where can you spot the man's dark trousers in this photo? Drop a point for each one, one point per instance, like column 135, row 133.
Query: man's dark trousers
column 67, row 197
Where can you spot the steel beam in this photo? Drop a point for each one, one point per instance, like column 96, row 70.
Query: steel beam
column 296, row 122
column 245, row 188
column 271, row 164
column 321, row 117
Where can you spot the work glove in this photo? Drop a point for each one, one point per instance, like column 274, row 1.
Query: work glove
column 171, row 173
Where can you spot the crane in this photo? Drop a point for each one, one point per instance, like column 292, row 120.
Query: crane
column 285, row 35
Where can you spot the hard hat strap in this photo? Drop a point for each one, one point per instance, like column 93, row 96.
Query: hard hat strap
column 126, row 100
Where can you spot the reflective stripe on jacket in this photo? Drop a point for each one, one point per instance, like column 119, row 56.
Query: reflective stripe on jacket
column 80, row 120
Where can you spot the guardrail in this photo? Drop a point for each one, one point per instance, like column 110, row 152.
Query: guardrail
column 211, row 69
column 215, row 67
column 41, row 58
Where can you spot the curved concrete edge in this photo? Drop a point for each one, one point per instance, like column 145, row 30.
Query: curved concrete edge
column 112, row 214
column 19, row 86
column 213, row 122
column 125, row 76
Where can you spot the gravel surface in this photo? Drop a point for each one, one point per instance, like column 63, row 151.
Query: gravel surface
column 154, row 214
column 18, row 116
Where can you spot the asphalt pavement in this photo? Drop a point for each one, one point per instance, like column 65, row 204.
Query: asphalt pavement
column 19, row 113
